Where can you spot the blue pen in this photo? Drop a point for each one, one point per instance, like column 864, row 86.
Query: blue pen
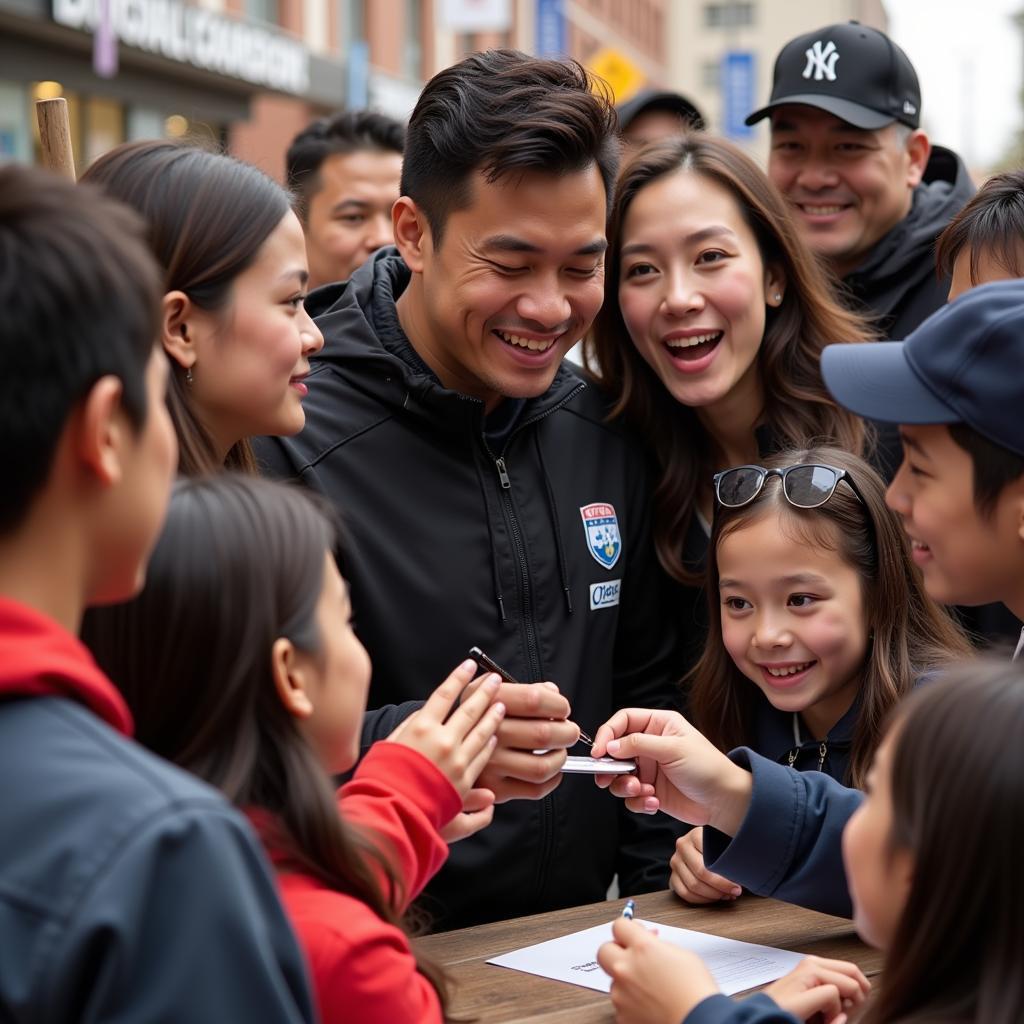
column 627, row 910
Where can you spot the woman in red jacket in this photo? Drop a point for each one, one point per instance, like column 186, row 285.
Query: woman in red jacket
column 239, row 663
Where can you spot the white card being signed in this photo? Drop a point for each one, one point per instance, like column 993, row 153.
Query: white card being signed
column 597, row 766
column 735, row 966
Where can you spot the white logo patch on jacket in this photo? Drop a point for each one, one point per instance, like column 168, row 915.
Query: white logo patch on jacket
column 605, row 595
column 601, row 526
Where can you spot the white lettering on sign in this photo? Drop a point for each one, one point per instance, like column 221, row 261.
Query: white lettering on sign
column 193, row 35
column 604, row 595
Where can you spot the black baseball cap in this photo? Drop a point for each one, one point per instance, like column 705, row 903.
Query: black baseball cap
column 964, row 364
column 854, row 72
column 672, row 102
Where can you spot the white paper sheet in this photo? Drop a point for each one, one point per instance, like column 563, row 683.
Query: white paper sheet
column 735, row 965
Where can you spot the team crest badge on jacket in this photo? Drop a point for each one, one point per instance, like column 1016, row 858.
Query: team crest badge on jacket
column 602, row 529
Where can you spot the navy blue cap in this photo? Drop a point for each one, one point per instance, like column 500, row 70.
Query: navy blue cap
column 964, row 364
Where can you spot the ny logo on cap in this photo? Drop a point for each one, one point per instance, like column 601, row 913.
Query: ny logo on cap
column 822, row 61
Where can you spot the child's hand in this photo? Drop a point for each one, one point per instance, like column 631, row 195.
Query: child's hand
column 690, row 879
column 477, row 813
column 459, row 742
column 816, row 986
column 678, row 770
column 652, row 981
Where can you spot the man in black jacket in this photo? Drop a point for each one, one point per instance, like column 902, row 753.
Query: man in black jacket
column 489, row 501
column 870, row 193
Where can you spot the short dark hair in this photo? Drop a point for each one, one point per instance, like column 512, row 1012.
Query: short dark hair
column 991, row 223
column 79, row 300
column 995, row 467
column 349, row 131
column 207, row 216
column 503, row 112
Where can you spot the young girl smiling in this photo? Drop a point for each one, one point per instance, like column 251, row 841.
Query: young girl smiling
column 819, row 625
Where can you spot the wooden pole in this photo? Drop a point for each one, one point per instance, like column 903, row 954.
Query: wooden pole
column 55, row 136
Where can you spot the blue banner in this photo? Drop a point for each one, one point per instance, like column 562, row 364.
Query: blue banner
column 357, row 92
column 551, row 28
column 738, row 85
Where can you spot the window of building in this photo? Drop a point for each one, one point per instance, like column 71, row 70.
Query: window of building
column 15, row 130
column 353, row 21
column 104, row 127
column 710, row 74
column 262, row 10
column 728, row 14
column 412, row 52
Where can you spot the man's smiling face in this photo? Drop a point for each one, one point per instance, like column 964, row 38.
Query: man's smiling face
column 849, row 186
column 514, row 283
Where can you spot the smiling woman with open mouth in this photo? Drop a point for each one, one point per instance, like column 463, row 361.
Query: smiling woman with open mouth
column 715, row 315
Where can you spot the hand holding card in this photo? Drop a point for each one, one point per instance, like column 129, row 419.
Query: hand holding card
column 597, row 766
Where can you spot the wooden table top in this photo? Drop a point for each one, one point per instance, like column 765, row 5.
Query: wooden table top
column 491, row 993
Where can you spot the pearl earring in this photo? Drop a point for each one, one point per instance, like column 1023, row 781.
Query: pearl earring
column 188, row 376
column 777, row 297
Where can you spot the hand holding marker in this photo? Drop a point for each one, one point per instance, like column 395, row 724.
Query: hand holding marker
column 588, row 765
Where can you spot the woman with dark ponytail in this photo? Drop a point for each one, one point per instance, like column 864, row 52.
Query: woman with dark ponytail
column 239, row 664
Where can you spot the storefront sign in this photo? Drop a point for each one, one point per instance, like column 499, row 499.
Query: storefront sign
column 192, row 35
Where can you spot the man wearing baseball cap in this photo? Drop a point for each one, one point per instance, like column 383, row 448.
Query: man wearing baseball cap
column 956, row 389
column 651, row 116
column 870, row 192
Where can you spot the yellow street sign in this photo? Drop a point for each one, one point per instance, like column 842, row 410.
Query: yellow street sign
column 624, row 77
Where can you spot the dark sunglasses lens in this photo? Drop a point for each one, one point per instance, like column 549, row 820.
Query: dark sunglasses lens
column 738, row 486
column 810, row 486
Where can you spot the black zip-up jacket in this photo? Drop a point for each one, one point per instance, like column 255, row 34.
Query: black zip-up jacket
column 897, row 282
column 512, row 548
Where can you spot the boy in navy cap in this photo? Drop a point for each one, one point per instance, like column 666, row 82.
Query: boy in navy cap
column 869, row 191
column 956, row 390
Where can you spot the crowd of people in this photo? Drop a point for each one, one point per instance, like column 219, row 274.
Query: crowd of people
column 277, row 459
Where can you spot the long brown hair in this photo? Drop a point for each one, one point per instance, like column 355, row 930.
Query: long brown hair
column 911, row 634
column 207, row 215
column 240, row 563
column 797, row 407
column 958, row 770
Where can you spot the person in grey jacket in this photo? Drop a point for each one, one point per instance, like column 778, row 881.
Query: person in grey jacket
column 129, row 891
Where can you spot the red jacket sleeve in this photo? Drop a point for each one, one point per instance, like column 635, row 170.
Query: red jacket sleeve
column 401, row 800
column 363, row 968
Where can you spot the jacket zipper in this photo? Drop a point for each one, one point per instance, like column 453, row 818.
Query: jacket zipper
column 519, row 551
column 518, row 547
column 546, row 809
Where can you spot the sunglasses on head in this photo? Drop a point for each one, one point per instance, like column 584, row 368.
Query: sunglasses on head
column 805, row 485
